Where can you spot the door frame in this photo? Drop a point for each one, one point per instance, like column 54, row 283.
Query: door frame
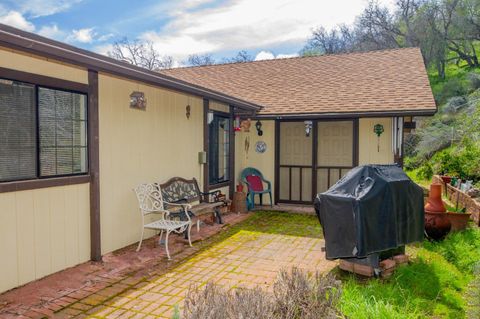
column 314, row 166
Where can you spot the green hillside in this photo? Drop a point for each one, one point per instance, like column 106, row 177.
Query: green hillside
column 449, row 142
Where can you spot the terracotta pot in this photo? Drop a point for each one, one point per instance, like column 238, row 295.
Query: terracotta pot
column 437, row 225
column 446, row 179
column 459, row 221
column 434, row 201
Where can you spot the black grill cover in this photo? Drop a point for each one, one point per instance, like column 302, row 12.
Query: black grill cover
column 371, row 209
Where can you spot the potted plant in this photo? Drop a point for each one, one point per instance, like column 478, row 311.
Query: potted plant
column 458, row 217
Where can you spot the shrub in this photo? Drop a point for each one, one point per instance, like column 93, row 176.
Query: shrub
column 474, row 80
column 296, row 294
column 453, row 87
column 425, row 171
column 455, row 104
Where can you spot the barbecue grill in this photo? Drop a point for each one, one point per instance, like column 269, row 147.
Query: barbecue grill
column 370, row 214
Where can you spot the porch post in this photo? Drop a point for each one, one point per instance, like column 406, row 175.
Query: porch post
column 94, row 166
column 314, row 159
column 231, row 152
column 206, row 106
column 277, row 161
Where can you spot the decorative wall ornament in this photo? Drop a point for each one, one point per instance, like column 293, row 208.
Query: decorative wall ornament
column 187, row 111
column 308, row 127
column 258, row 126
column 138, row 100
column 260, row 147
column 236, row 125
column 378, row 129
column 245, row 125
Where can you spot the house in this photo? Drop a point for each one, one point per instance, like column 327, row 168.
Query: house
column 79, row 130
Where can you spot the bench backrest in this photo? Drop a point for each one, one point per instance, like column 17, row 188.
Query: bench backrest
column 178, row 189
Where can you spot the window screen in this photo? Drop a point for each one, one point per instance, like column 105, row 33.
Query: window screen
column 219, row 149
column 63, row 132
column 17, row 131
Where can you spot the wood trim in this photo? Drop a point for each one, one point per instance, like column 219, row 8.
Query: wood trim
column 314, row 159
column 206, row 106
column 42, row 80
column 94, row 164
column 16, row 186
column 277, row 161
column 340, row 116
column 356, row 142
column 232, row 155
column 219, row 185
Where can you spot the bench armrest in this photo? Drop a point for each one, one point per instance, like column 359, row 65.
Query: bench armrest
column 185, row 207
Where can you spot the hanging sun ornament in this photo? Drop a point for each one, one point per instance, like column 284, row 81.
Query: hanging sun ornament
column 378, row 129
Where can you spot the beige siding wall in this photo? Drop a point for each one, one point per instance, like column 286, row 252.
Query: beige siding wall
column 43, row 231
column 142, row 146
column 20, row 61
column 264, row 162
column 368, row 142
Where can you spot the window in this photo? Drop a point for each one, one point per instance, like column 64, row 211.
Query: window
column 219, row 149
column 43, row 132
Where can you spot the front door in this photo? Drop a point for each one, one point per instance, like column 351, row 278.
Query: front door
column 308, row 165
column 295, row 163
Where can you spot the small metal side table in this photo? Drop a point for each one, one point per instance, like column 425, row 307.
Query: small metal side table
column 239, row 203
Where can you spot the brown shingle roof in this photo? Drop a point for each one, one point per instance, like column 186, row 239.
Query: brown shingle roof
column 377, row 81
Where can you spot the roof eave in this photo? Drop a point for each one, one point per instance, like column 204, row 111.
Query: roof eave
column 25, row 41
column 327, row 115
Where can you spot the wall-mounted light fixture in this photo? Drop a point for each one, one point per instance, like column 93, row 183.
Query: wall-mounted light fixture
column 187, row 111
column 138, row 100
column 258, row 126
column 209, row 117
column 308, row 127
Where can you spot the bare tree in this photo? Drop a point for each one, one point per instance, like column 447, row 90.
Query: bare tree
column 242, row 56
column 140, row 53
column 200, row 59
column 340, row 39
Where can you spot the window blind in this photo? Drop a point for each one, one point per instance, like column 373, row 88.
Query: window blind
column 63, row 132
column 18, row 154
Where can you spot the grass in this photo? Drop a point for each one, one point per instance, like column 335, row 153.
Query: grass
column 434, row 285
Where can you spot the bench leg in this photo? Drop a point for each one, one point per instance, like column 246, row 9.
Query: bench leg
column 166, row 245
column 218, row 216
column 141, row 239
column 189, row 236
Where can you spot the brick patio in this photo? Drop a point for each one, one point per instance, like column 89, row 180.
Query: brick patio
column 144, row 285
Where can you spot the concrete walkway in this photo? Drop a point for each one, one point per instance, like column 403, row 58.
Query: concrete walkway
column 244, row 259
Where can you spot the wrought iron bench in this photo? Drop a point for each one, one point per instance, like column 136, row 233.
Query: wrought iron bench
column 178, row 190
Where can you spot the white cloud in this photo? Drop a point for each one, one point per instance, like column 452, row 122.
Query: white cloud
column 264, row 55
column 285, row 56
column 52, row 32
column 245, row 24
column 17, row 20
column 103, row 49
column 85, row 35
column 267, row 55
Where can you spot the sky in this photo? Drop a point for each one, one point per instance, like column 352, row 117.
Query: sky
column 266, row 29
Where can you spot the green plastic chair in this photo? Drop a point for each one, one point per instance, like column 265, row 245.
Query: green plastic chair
column 255, row 181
